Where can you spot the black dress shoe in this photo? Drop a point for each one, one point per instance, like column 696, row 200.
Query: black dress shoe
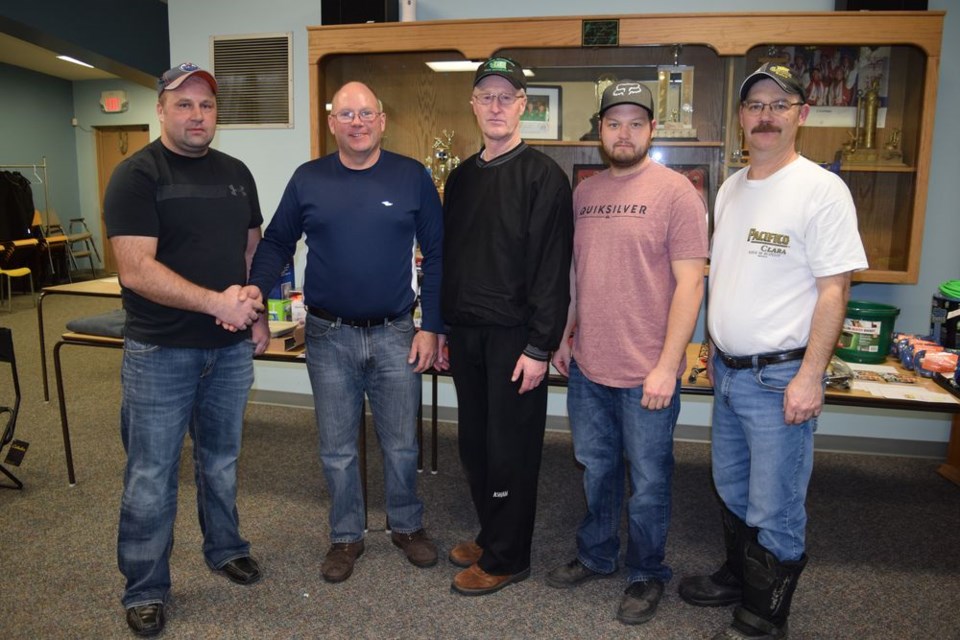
column 146, row 619
column 243, row 570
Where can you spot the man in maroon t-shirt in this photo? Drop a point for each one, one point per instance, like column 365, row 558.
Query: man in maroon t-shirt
column 640, row 246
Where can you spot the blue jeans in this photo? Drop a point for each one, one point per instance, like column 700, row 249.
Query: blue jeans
column 761, row 465
column 166, row 393
column 344, row 362
column 609, row 424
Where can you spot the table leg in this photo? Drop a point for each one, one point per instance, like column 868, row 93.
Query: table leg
column 420, row 434
column 64, row 427
column 43, row 348
column 950, row 469
column 433, row 426
column 362, row 446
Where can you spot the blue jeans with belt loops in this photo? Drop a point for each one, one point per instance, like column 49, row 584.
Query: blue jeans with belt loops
column 343, row 363
column 168, row 392
column 609, row 425
column 761, row 465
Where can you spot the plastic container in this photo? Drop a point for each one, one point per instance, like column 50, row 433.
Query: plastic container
column 945, row 320
column 867, row 330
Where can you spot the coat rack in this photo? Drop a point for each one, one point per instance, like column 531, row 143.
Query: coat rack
column 39, row 174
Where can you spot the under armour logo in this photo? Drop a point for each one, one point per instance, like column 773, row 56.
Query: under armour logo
column 387, row 203
column 241, row 191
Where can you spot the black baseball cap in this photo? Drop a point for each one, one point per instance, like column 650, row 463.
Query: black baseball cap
column 627, row 92
column 779, row 73
column 173, row 78
column 503, row 67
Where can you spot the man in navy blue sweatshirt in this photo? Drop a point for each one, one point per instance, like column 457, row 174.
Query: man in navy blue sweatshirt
column 363, row 210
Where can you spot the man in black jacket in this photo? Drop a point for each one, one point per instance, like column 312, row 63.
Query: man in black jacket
column 508, row 228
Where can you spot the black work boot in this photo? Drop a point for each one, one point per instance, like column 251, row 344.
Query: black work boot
column 768, row 587
column 724, row 586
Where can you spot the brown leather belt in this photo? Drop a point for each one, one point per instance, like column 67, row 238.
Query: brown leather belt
column 762, row 359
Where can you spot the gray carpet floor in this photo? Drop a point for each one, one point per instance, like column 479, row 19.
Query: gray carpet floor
column 883, row 536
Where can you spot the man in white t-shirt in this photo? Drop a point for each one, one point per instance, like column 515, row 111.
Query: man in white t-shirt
column 784, row 247
column 640, row 246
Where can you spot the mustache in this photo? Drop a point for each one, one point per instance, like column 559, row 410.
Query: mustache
column 764, row 127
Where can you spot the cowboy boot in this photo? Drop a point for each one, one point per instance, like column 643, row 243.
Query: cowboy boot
column 724, row 586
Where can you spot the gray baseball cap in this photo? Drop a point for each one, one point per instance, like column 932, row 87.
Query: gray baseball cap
column 627, row 92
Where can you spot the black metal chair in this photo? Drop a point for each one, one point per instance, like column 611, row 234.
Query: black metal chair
column 6, row 355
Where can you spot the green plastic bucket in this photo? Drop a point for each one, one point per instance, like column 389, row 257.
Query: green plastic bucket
column 866, row 332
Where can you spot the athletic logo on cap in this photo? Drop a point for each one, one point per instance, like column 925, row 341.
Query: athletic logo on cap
column 628, row 89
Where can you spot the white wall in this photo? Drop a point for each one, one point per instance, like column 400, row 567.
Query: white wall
column 86, row 109
column 273, row 154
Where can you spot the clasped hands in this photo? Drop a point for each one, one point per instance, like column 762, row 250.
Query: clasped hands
column 238, row 307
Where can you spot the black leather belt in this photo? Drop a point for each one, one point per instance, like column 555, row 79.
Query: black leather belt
column 762, row 359
column 360, row 324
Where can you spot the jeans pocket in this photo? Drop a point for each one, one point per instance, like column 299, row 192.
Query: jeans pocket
column 776, row 377
column 135, row 346
column 318, row 328
column 403, row 324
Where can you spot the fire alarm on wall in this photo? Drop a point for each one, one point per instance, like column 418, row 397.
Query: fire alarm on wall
column 113, row 101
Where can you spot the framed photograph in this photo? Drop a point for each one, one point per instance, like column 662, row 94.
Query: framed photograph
column 836, row 77
column 699, row 177
column 541, row 119
column 583, row 171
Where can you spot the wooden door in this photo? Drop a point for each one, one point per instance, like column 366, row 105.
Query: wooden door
column 114, row 145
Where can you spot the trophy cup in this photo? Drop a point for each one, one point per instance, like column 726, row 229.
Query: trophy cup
column 862, row 147
column 599, row 87
column 891, row 150
column 442, row 161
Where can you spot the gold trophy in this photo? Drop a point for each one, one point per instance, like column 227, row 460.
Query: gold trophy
column 599, row 87
column 862, row 147
column 891, row 150
column 442, row 161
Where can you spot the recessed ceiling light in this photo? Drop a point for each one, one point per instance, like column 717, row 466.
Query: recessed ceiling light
column 75, row 61
column 453, row 66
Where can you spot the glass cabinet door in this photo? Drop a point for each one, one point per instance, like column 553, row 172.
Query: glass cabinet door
column 863, row 125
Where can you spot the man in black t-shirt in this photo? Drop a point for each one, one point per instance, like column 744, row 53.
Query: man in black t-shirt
column 184, row 221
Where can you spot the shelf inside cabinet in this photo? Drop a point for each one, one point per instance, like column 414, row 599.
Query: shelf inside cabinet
column 850, row 168
column 877, row 168
column 656, row 143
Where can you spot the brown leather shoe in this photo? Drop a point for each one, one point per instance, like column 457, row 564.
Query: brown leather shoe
column 417, row 546
column 474, row 581
column 465, row 554
column 338, row 565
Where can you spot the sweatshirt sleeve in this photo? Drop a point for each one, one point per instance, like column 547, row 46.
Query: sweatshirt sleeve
column 549, row 250
column 279, row 241
column 430, row 239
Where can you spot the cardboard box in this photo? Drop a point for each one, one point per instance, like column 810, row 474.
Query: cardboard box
column 285, row 336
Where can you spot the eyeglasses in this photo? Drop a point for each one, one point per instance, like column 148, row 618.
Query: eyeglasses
column 365, row 115
column 778, row 108
column 505, row 99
